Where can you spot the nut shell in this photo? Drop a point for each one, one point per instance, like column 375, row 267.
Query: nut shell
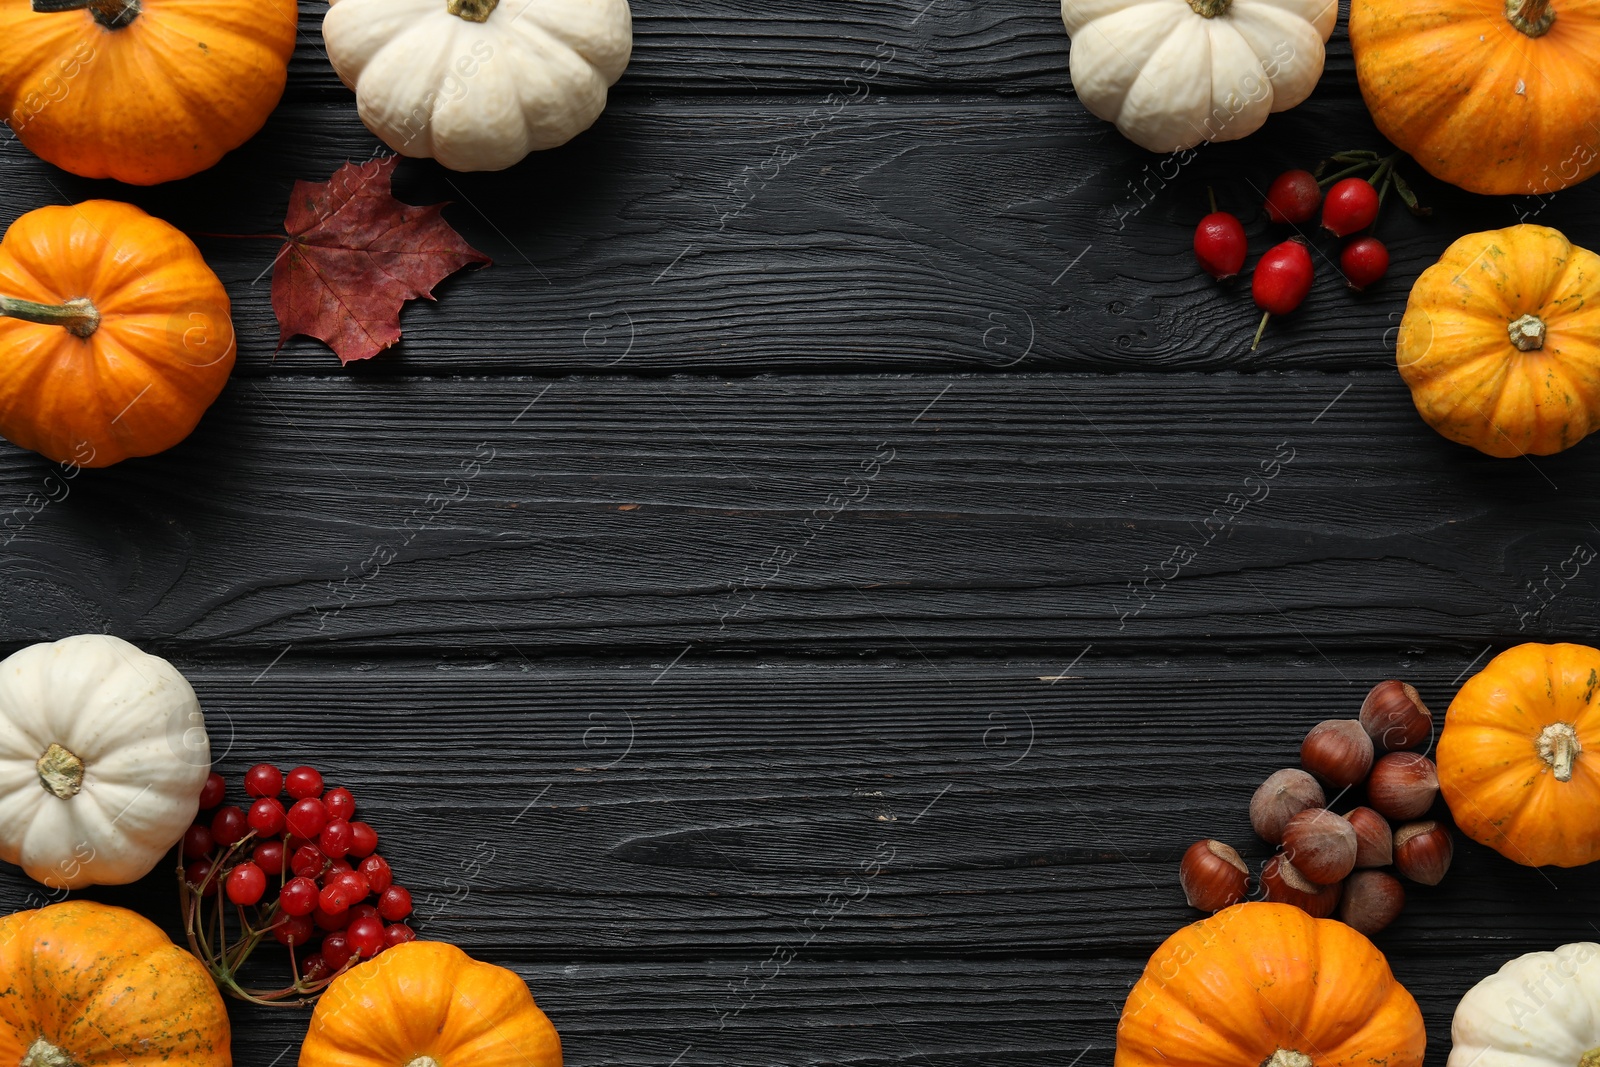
column 1321, row 845
column 1372, row 900
column 1403, row 785
column 1423, row 851
column 1374, row 838
column 1285, row 885
column 1282, row 796
column 1338, row 752
column 1213, row 876
column 1395, row 717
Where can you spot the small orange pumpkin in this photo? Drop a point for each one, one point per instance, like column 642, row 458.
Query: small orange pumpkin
column 428, row 1004
column 116, row 334
column 1519, row 756
column 1267, row 984
column 143, row 91
column 84, row 983
column 1496, row 96
column 1500, row 342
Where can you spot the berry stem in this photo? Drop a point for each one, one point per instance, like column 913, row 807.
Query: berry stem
column 1260, row 330
column 1212, row 194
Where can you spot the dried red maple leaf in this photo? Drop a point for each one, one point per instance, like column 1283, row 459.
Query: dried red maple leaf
column 355, row 255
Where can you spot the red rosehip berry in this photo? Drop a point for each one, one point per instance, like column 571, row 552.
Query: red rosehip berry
column 294, row 930
column 365, row 936
column 247, row 884
column 336, row 898
column 1352, row 205
column 270, row 857
column 307, row 818
column 363, row 840
column 303, row 782
column 1281, row 281
column 266, row 817
column 263, row 780
column 213, row 792
column 308, row 861
column 341, row 804
column 298, row 896
column 377, row 872
column 1364, row 262
column 336, row 839
column 229, row 826
column 197, row 873
column 1294, row 197
column 336, row 951
column 1220, row 245
column 197, row 841
column 394, row 904
column 398, row 934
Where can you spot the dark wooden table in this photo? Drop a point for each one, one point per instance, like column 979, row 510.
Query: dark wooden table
column 815, row 453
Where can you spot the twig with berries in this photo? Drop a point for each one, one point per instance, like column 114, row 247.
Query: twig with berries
column 1352, row 202
column 332, row 884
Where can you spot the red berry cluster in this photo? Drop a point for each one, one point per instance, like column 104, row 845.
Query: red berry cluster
column 331, row 884
column 1283, row 276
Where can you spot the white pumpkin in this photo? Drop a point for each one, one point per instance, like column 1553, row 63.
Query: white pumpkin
column 1173, row 73
column 1539, row 1010
column 478, row 84
column 103, row 751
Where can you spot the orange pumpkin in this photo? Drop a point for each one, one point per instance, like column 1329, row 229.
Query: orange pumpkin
column 1496, row 96
column 94, row 985
column 1266, row 984
column 116, row 336
column 1500, row 342
column 428, row 1004
column 1519, row 756
column 143, row 91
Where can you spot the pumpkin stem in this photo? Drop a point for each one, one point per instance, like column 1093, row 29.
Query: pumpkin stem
column 112, row 14
column 77, row 317
column 60, row 772
column 472, row 10
column 1559, row 747
column 423, row 1061
column 1590, row 1058
column 1532, row 17
column 43, row 1054
column 1210, row 9
column 1527, row 333
column 1287, row 1057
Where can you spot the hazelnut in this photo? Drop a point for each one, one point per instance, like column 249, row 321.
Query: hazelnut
column 1337, row 751
column 1321, row 845
column 1372, row 900
column 1282, row 796
column 1213, row 876
column 1422, row 851
column 1403, row 785
column 1395, row 717
column 1285, row 885
column 1374, row 838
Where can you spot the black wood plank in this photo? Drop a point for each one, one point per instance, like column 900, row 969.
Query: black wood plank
column 737, row 46
column 736, row 236
column 905, row 516
column 829, row 1014
column 641, row 841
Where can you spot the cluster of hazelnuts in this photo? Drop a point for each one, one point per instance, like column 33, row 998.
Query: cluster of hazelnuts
column 1342, row 863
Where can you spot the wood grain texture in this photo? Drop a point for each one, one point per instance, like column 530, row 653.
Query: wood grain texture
column 663, row 835
column 896, row 516
column 834, row 1014
column 726, row 46
column 749, row 235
